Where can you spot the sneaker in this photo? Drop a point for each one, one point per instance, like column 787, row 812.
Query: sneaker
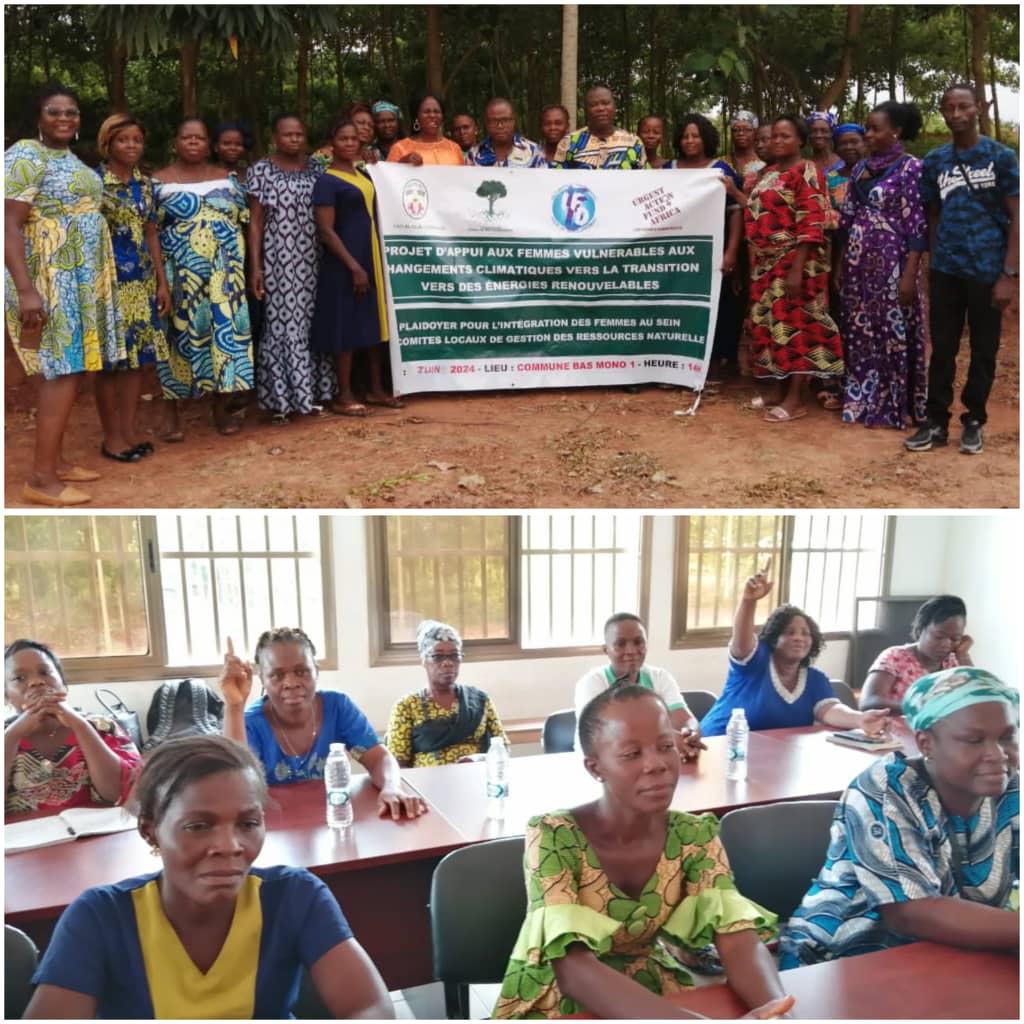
column 971, row 442
column 928, row 436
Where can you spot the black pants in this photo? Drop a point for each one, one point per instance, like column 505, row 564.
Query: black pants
column 952, row 299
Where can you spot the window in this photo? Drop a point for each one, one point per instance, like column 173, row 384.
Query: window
column 509, row 584
column 820, row 562
column 128, row 597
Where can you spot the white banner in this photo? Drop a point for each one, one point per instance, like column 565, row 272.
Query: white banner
column 516, row 278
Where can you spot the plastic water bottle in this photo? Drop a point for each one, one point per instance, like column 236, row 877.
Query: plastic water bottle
column 337, row 778
column 737, row 740
column 497, row 779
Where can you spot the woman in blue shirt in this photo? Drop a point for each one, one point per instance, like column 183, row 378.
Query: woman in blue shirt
column 292, row 726
column 771, row 678
column 209, row 936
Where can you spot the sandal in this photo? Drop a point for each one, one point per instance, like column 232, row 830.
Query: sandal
column 829, row 400
column 349, row 409
column 77, row 475
column 776, row 414
column 128, row 455
column 388, row 401
column 68, row 496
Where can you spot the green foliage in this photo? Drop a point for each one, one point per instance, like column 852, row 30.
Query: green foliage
column 665, row 60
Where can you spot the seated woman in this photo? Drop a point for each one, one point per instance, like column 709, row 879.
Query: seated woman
column 209, row 936
column 925, row 848
column 442, row 723
column 58, row 757
column 293, row 724
column 607, row 882
column 772, row 679
column 939, row 642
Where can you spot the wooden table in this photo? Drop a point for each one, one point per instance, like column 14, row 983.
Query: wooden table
column 379, row 870
column 783, row 764
column 922, row 981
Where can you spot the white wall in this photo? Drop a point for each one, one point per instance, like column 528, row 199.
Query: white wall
column 973, row 556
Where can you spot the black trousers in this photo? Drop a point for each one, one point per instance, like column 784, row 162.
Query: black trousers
column 954, row 299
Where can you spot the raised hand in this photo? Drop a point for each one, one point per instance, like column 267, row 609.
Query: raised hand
column 757, row 586
column 235, row 679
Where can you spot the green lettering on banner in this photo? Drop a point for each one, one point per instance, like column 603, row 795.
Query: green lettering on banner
column 520, row 294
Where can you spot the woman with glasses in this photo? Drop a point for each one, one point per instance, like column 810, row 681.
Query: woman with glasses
column 60, row 285
column 442, row 723
column 291, row 727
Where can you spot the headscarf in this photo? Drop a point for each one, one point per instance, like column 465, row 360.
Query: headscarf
column 744, row 117
column 430, row 632
column 383, row 106
column 941, row 694
column 850, row 126
column 822, row 115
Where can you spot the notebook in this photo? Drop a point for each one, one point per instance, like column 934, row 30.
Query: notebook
column 63, row 827
column 861, row 741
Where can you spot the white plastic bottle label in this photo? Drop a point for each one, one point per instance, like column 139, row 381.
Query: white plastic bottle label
column 338, row 797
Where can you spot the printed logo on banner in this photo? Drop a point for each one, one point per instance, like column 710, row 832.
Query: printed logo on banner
column 574, row 207
column 414, row 199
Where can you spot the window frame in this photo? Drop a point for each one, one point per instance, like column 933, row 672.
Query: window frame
column 153, row 665
column 683, row 639
column 383, row 652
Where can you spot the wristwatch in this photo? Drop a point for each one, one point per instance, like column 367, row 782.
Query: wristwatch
column 1007, row 272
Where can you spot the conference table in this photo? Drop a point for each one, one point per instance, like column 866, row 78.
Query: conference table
column 380, row 870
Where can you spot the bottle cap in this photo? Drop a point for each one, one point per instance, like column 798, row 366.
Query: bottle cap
column 337, row 748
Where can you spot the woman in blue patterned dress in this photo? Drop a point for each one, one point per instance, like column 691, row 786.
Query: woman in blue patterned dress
column 886, row 231
column 61, row 308
column 142, row 293
column 284, row 258
column 925, row 847
column 201, row 213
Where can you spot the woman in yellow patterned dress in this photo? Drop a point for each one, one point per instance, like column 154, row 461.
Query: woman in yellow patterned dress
column 614, row 885
column 443, row 723
column 61, row 307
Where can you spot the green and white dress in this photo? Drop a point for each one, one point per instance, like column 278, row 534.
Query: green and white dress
column 690, row 898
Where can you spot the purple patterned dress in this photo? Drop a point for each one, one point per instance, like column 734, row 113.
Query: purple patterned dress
column 886, row 371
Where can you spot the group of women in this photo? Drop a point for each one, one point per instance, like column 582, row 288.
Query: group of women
column 112, row 269
column 622, row 892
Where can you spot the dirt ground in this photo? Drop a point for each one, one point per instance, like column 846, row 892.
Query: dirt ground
column 577, row 448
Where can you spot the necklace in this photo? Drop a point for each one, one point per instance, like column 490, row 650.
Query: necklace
column 289, row 749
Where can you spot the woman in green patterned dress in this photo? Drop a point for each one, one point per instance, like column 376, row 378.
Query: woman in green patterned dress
column 614, row 885
column 60, row 284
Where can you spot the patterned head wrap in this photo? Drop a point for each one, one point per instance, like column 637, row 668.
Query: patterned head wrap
column 382, row 106
column 941, row 694
column 850, row 126
column 430, row 632
column 744, row 117
column 822, row 115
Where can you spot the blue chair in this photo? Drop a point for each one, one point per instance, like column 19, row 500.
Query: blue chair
column 559, row 733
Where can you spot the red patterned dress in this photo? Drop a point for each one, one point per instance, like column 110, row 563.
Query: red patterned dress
column 787, row 208
column 38, row 783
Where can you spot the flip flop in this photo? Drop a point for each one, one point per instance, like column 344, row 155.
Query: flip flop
column 757, row 402
column 128, row 455
column 68, row 496
column 776, row 414
column 828, row 400
column 78, row 475
column 172, row 437
column 356, row 409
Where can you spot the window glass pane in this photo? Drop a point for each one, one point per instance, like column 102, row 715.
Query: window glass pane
column 282, row 533
column 451, row 568
column 76, row 583
column 577, row 569
column 225, row 532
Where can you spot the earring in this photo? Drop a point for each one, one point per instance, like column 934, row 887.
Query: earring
column 154, row 850
column 76, row 136
column 416, row 124
column 40, row 134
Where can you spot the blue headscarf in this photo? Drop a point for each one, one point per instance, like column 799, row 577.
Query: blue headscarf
column 822, row 115
column 940, row 694
column 850, row 126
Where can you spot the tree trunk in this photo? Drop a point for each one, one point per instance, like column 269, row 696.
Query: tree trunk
column 435, row 75
column 115, row 81
column 189, row 75
column 996, row 126
column 626, row 113
column 894, row 48
column 979, row 36
column 851, row 44
column 570, row 57
column 339, row 70
column 248, row 71
column 302, row 74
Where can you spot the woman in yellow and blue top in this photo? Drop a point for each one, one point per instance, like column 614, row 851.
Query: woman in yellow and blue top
column 442, row 723
column 209, row 936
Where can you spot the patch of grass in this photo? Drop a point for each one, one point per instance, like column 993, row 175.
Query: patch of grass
column 385, row 489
